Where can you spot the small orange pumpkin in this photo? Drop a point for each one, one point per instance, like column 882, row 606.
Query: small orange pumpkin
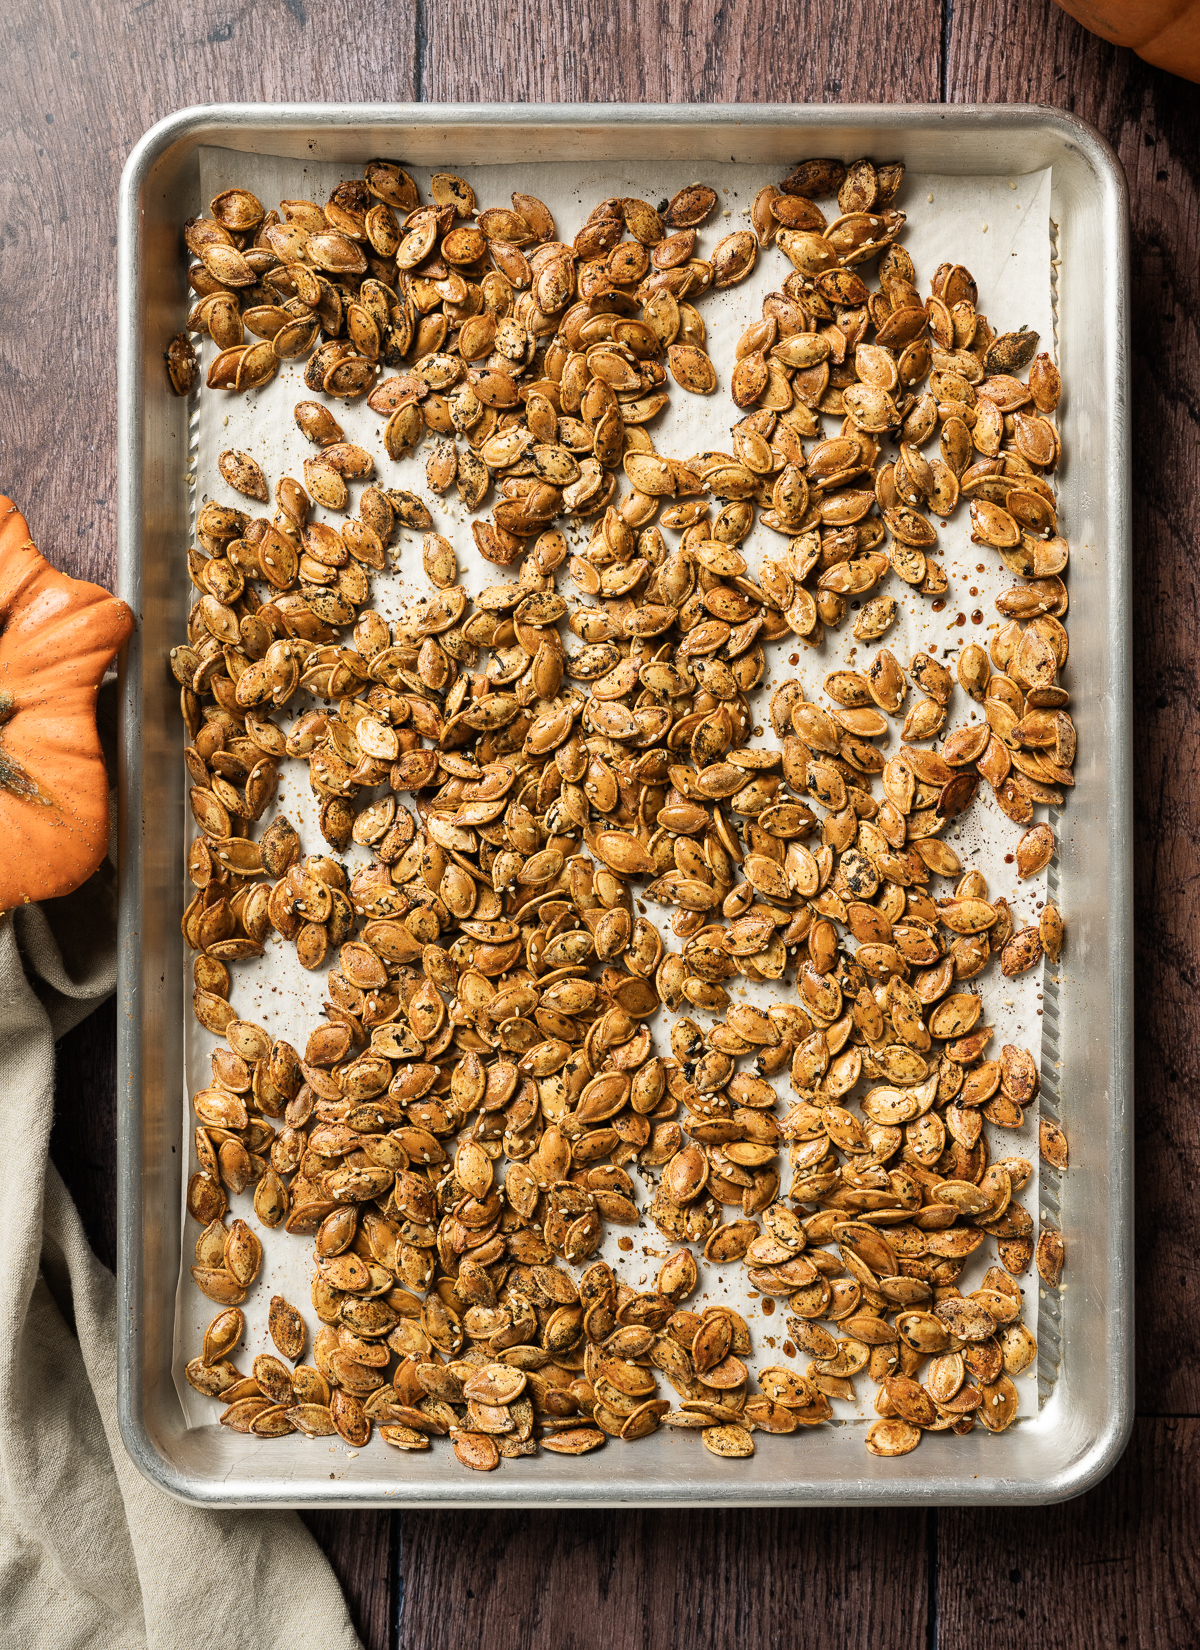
column 1165, row 33
column 57, row 638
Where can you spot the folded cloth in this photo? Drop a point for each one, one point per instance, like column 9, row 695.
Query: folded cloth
column 91, row 1554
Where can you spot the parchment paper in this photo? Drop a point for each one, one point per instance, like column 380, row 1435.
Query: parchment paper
column 1000, row 228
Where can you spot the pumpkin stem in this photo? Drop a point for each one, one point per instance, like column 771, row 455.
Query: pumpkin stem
column 13, row 777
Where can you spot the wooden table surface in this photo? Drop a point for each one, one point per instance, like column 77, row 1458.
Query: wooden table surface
column 1118, row 1566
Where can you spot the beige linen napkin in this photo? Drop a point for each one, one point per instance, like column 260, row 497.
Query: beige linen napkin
column 90, row 1553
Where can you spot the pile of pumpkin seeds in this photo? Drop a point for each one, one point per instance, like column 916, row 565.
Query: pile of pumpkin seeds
column 521, row 771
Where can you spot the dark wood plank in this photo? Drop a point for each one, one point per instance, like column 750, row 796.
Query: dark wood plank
column 1117, row 1567
column 363, row 1548
column 1031, row 50
column 645, row 1581
column 682, row 51
column 87, row 81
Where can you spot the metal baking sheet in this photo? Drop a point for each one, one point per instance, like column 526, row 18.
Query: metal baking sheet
column 1074, row 1413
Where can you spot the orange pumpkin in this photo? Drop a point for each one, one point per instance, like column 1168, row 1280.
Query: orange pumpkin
column 57, row 638
column 1163, row 32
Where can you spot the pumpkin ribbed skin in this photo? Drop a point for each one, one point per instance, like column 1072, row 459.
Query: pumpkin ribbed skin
column 57, row 638
column 1163, row 32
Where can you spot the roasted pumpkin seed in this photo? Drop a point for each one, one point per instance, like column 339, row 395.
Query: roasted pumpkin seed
column 463, row 1118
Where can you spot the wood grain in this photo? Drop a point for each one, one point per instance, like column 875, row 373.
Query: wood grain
column 1118, row 1567
column 665, row 1580
column 363, row 1548
column 681, row 51
column 1150, row 119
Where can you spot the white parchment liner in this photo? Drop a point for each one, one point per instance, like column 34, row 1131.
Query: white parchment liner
column 999, row 228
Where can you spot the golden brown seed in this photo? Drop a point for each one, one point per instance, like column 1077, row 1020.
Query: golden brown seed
column 222, row 1335
column 730, row 1441
column 1050, row 1253
column 692, row 369
column 286, row 1328
column 183, row 366
column 476, row 1450
column 242, row 473
column 892, row 1437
